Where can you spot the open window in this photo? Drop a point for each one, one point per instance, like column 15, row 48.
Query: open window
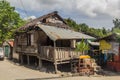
column 28, row 39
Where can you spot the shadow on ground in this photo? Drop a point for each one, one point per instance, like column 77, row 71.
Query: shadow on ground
column 64, row 69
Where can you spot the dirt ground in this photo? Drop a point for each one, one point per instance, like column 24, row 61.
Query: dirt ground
column 12, row 71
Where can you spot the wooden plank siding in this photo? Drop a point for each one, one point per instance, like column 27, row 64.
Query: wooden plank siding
column 27, row 49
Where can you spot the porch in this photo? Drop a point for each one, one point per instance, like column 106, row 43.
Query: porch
column 58, row 54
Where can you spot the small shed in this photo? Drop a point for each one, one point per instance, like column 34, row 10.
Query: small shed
column 111, row 45
column 8, row 48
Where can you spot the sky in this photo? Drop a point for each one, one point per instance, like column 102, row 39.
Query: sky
column 95, row 13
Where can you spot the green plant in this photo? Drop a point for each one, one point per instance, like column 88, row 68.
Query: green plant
column 82, row 46
column 10, row 20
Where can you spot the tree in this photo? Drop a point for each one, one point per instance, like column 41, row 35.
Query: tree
column 86, row 29
column 104, row 30
column 9, row 20
column 83, row 27
column 72, row 24
column 82, row 46
column 116, row 28
column 116, row 23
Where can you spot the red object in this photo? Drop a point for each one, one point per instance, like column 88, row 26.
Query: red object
column 116, row 58
column 110, row 65
column 119, row 50
column 117, row 67
column 11, row 43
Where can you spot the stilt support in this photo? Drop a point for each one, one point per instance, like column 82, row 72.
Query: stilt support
column 28, row 60
column 40, row 63
column 56, row 68
column 21, row 59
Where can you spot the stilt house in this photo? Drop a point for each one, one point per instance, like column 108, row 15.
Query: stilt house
column 47, row 38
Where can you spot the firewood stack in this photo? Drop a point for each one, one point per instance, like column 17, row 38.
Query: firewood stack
column 87, row 66
column 95, row 66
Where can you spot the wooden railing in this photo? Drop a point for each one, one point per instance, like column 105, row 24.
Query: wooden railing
column 59, row 53
column 47, row 52
column 63, row 53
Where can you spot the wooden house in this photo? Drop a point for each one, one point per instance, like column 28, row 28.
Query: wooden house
column 47, row 38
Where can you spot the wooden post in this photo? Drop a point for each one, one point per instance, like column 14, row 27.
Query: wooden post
column 40, row 63
column 28, row 60
column 21, row 59
column 55, row 62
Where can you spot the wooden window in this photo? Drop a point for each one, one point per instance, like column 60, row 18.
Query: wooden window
column 73, row 43
column 28, row 39
column 32, row 39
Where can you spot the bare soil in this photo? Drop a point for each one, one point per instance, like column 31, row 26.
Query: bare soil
column 11, row 71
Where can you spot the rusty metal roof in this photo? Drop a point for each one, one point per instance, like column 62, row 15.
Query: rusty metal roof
column 9, row 42
column 32, row 23
column 60, row 33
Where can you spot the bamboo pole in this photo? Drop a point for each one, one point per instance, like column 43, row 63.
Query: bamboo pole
column 55, row 62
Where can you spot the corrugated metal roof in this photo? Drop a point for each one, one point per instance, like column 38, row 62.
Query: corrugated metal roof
column 94, row 43
column 59, row 33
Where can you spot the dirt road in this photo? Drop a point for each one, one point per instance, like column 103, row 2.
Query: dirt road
column 10, row 71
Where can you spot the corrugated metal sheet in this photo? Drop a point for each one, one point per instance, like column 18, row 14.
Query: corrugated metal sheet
column 59, row 33
column 94, row 43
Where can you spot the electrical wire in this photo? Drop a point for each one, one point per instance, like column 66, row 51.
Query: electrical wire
column 24, row 8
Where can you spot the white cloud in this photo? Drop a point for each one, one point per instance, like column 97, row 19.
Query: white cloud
column 30, row 18
column 89, row 7
column 94, row 7
column 95, row 13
